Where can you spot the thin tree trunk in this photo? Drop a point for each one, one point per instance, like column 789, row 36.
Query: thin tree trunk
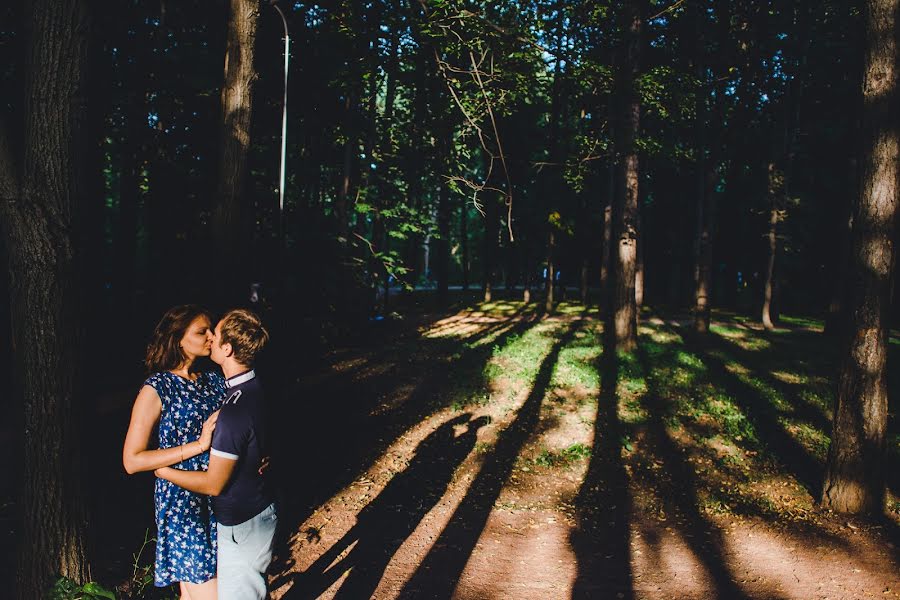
column 491, row 222
column 464, row 240
column 625, row 213
column 237, row 107
column 703, row 240
column 551, row 271
column 341, row 202
column 442, row 244
column 772, row 237
column 38, row 214
column 606, row 248
column 855, row 470
column 639, row 270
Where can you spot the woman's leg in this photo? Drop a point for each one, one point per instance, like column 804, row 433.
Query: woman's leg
column 201, row 591
column 185, row 595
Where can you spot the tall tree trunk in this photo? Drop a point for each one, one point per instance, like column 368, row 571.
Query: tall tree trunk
column 551, row 270
column 442, row 244
column 625, row 213
column 639, row 269
column 464, row 240
column 774, row 187
column 350, row 148
column 855, row 470
column 39, row 209
column 703, row 239
column 606, row 248
column 237, row 107
column 491, row 223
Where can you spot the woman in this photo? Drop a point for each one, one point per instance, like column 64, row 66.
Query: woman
column 185, row 405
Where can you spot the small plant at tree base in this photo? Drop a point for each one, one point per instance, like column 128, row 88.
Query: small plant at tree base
column 66, row 589
column 141, row 575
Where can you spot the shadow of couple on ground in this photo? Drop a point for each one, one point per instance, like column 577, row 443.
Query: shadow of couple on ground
column 386, row 522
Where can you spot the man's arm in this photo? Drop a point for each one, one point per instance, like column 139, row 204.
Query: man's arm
column 210, row 482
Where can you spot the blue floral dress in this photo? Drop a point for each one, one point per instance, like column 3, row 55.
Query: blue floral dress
column 186, row 527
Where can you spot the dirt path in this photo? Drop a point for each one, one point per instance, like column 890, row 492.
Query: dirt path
column 500, row 497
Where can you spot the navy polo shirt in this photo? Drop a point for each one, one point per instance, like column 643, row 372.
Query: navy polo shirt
column 240, row 435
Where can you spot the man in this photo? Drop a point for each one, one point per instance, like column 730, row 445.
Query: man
column 242, row 502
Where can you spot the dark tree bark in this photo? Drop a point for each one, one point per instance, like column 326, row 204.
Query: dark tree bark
column 551, row 270
column 625, row 210
column 703, row 233
column 40, row 197
column 464, row 240
column 606, row 248
column 442, row 244
column 855, row 470
column 229, row 211
column 350, row 148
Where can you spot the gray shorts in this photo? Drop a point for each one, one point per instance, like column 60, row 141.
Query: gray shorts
column 245, row 551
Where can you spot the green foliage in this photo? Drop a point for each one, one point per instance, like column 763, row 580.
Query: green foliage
column 563, row 458
column 66, row 589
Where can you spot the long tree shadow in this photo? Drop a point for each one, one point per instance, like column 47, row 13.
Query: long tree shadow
column 343, row 430
column 761, row 413
column 437, row 576
column 391, row 517
column 679, row 489
column 602, row 538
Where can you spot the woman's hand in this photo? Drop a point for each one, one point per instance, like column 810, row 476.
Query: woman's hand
column 206, row 434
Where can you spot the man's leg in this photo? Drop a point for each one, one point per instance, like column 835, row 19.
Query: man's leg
column 245, row 552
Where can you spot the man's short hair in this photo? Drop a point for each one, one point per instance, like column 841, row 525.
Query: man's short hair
column 245, row 332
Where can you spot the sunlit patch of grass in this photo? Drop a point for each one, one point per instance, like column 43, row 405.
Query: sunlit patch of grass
column 500, row 307
column 632, row 412
column 742, row 338
column 821, row 396
column 577, row 364
column 563, row 458
column 660, row 336
column 802, row 322
column 789, row 377
column 729, row 417
column 483, row 447
column 576, row 308
column 514, row 365
column 814, row 441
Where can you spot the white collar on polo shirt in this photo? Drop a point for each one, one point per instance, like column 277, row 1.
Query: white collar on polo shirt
column 239, row 379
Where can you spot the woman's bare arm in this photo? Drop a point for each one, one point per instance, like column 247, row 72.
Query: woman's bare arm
column 136, row 456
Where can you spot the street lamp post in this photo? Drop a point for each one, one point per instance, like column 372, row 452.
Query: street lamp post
column 287, row 58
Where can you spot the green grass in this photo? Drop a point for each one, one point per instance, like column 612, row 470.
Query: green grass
column 563, row 458
column 719, row 401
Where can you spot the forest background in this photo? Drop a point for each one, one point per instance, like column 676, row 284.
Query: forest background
column 431, row 146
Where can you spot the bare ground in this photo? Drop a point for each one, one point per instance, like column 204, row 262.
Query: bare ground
column 406, row 492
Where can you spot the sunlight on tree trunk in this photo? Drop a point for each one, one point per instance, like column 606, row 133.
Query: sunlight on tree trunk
column 237, row 110
column 625, row 214
column 775, row 184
